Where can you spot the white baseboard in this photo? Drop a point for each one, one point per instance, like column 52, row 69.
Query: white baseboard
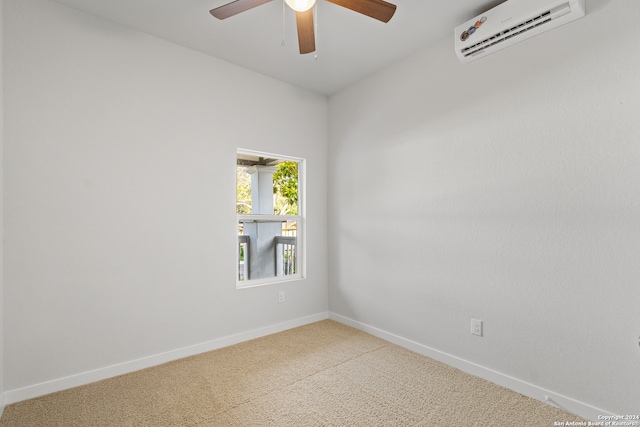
column 2, row 404
column 29, row 392
column 554, row 399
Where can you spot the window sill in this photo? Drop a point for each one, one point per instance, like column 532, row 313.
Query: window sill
column 268, row 281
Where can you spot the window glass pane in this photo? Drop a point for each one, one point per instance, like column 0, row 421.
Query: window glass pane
column 266, row 189
column 267, row 249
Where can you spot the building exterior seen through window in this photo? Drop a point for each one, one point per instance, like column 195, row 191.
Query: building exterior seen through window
column 269, row 218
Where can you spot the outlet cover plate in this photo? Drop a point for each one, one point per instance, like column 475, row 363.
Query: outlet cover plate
column 476, row 327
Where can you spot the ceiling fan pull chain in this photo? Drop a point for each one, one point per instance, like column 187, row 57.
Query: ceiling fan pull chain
column 283, row 44
column 315, row 57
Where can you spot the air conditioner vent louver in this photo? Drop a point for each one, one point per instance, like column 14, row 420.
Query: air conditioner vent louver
column 507, row 34
column 547, row 14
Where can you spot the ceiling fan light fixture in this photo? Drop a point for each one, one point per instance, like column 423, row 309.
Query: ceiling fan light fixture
column 301, row 5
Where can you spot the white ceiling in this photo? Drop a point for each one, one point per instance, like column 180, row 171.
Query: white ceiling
column 349, row 45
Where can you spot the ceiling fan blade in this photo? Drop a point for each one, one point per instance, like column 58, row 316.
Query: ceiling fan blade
column 235, row 7
column 377, row 9
column 306, row 35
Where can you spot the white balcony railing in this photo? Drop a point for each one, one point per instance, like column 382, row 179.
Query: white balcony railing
column 243, row 258
column 286, row 255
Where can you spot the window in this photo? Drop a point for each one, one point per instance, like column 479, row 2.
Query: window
column 270, row 214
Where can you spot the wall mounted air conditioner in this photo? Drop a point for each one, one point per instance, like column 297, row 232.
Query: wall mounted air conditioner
column 511, row 22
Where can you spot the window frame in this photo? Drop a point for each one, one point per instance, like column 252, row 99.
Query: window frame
column 300, row 224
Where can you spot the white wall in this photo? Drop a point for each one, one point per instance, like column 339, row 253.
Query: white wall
column 506, row 190
column 120, row 191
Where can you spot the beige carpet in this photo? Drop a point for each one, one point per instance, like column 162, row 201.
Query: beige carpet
column 323, row 374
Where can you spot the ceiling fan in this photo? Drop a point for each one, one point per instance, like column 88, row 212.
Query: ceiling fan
column 377, row 9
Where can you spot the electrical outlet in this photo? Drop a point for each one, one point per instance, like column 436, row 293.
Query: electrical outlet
column 281, row 296
column 476, row 327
